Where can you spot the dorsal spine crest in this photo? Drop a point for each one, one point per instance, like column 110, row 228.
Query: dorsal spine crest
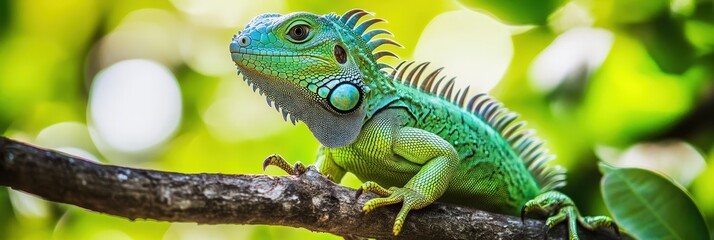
column 531, row 150
column 350, row 19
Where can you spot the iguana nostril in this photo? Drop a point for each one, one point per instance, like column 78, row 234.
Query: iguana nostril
column 243, row 41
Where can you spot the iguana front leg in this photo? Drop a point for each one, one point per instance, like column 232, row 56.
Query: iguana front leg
column 438, row 160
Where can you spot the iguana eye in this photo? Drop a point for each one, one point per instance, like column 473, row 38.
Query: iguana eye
column 345, row 97
column 299, row 33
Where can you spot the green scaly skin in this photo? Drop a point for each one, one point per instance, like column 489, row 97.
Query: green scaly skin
column 417, row 143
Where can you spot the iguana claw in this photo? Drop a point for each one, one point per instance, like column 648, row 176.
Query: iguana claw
column 359, row 192
column 299, row 168
column 279, row 161
column 267, row 162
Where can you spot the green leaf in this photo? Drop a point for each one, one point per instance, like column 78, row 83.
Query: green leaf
column 649, row 206
column 516, row 11
column 606, row 168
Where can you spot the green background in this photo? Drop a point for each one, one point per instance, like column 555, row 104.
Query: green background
column 653, row 88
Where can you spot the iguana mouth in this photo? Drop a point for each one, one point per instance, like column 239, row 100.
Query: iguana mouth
column 235, row 48
column 279, row 55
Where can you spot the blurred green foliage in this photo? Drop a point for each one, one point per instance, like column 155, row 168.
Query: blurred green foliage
column 650, row 206
column 517, row 12
column 654, row 84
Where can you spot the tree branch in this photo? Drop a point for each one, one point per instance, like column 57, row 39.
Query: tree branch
column 309, row 201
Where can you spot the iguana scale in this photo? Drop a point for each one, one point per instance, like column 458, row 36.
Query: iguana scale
column 401, row 131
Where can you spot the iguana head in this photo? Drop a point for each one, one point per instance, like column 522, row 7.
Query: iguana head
column 316, row 69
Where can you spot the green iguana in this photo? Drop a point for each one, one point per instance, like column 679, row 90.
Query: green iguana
column 402, row 132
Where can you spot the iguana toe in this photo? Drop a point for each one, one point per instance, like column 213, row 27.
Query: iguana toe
column 370, row 186
column 409, row 198
column 598, row 222
column 279, row 161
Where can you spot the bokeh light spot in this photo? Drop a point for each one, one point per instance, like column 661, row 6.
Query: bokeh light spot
column 474, row 47
column 65, row 134
column 28, row 205
column 676, row 159
column 577, row 51
column 146, row 33
column 134, row 105
column 225, row 13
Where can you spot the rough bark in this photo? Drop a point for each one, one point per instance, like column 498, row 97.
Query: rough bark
column 309, row 201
